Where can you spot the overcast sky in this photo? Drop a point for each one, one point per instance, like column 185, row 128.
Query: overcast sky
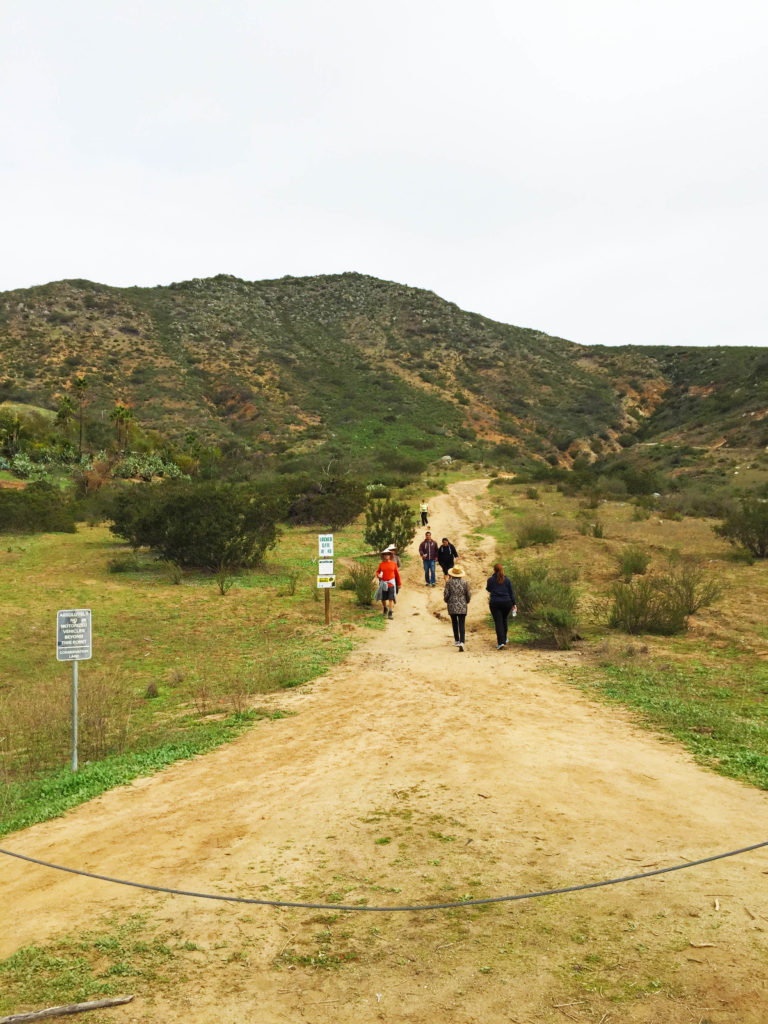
column 592, row 168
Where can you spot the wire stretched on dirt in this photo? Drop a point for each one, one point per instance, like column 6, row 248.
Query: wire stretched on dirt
column 381, row 910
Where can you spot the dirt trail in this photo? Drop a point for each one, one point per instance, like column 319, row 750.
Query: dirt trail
column 428, row 774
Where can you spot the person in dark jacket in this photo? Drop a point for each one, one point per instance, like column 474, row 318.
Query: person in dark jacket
column 501, row 602
column 428, row 554
column 447, row 555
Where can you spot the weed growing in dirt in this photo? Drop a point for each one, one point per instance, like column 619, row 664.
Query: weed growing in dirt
column 92, row 966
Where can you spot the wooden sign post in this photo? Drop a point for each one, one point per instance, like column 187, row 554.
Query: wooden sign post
column 325, row 578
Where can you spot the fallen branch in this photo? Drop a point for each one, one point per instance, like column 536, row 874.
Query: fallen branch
column 62, row 1011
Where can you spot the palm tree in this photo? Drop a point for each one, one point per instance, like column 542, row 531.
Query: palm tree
column 81, row 386
column 65, row 413
column 121, row 416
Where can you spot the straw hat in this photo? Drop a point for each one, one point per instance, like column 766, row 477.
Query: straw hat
column 456, row 570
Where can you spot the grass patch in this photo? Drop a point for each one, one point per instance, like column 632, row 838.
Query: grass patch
column 718, row 711
column 95, row 965
column 204, row 659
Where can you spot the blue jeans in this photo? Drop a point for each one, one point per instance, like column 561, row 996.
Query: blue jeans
column 429, row 571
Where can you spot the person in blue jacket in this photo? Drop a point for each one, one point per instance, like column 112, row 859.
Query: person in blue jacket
column 501, row 602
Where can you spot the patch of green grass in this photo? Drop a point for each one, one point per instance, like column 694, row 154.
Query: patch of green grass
column 718, row 711
column 91, row 966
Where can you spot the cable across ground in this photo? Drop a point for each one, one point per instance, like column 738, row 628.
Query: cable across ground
column 383, row 910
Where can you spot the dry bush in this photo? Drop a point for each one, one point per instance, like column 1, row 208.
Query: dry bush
column 36, row 722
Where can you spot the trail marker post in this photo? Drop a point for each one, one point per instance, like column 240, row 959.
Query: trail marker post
column 325, row 578
column 73, row 643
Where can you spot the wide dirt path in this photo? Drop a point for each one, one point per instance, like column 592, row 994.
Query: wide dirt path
column 410, row 774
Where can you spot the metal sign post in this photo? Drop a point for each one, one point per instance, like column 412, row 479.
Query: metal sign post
column 326, row 580
column 73, row 643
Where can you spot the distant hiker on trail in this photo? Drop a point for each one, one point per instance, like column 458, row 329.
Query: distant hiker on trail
column 424, row 509
column 457, row 596
column 446, row 555
column 395, row 557
column 501, row 602
column 389, row 584
column 428, row 553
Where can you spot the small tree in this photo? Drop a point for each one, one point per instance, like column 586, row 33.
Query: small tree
column 333, row 502
column 207, row 526
column 747, row 526
column 389, row 522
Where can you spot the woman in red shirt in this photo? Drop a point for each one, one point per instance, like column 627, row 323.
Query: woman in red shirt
column 388, row 578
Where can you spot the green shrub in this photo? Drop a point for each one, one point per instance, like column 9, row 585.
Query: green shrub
column 633, row 561
column 173, row 571
column 225, row 578
column 123, row 563
column 22, row 465
column 359, row 579
column 648, row 605
column 332, row 502
column 532, row 493
column 39, row 508
column 547, row 600
column 693, row 587
column 536, row 531
column 389, row 522
column 747, row 526
column 210, row 526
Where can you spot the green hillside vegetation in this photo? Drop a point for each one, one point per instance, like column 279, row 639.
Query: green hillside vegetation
column 381, row 377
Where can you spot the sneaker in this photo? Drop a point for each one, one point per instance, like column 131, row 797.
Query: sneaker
column 384, row 612
column 500, row 647
column 390, row 615
column 461, row 648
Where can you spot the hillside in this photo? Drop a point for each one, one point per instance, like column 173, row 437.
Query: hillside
column 354, row 366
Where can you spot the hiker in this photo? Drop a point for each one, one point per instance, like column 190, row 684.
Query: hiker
column 446, row 555
column 428, row 553
column 392, row 550
column 457, row 596
column 424, row 509
column 389, row 584
column 501, row 602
